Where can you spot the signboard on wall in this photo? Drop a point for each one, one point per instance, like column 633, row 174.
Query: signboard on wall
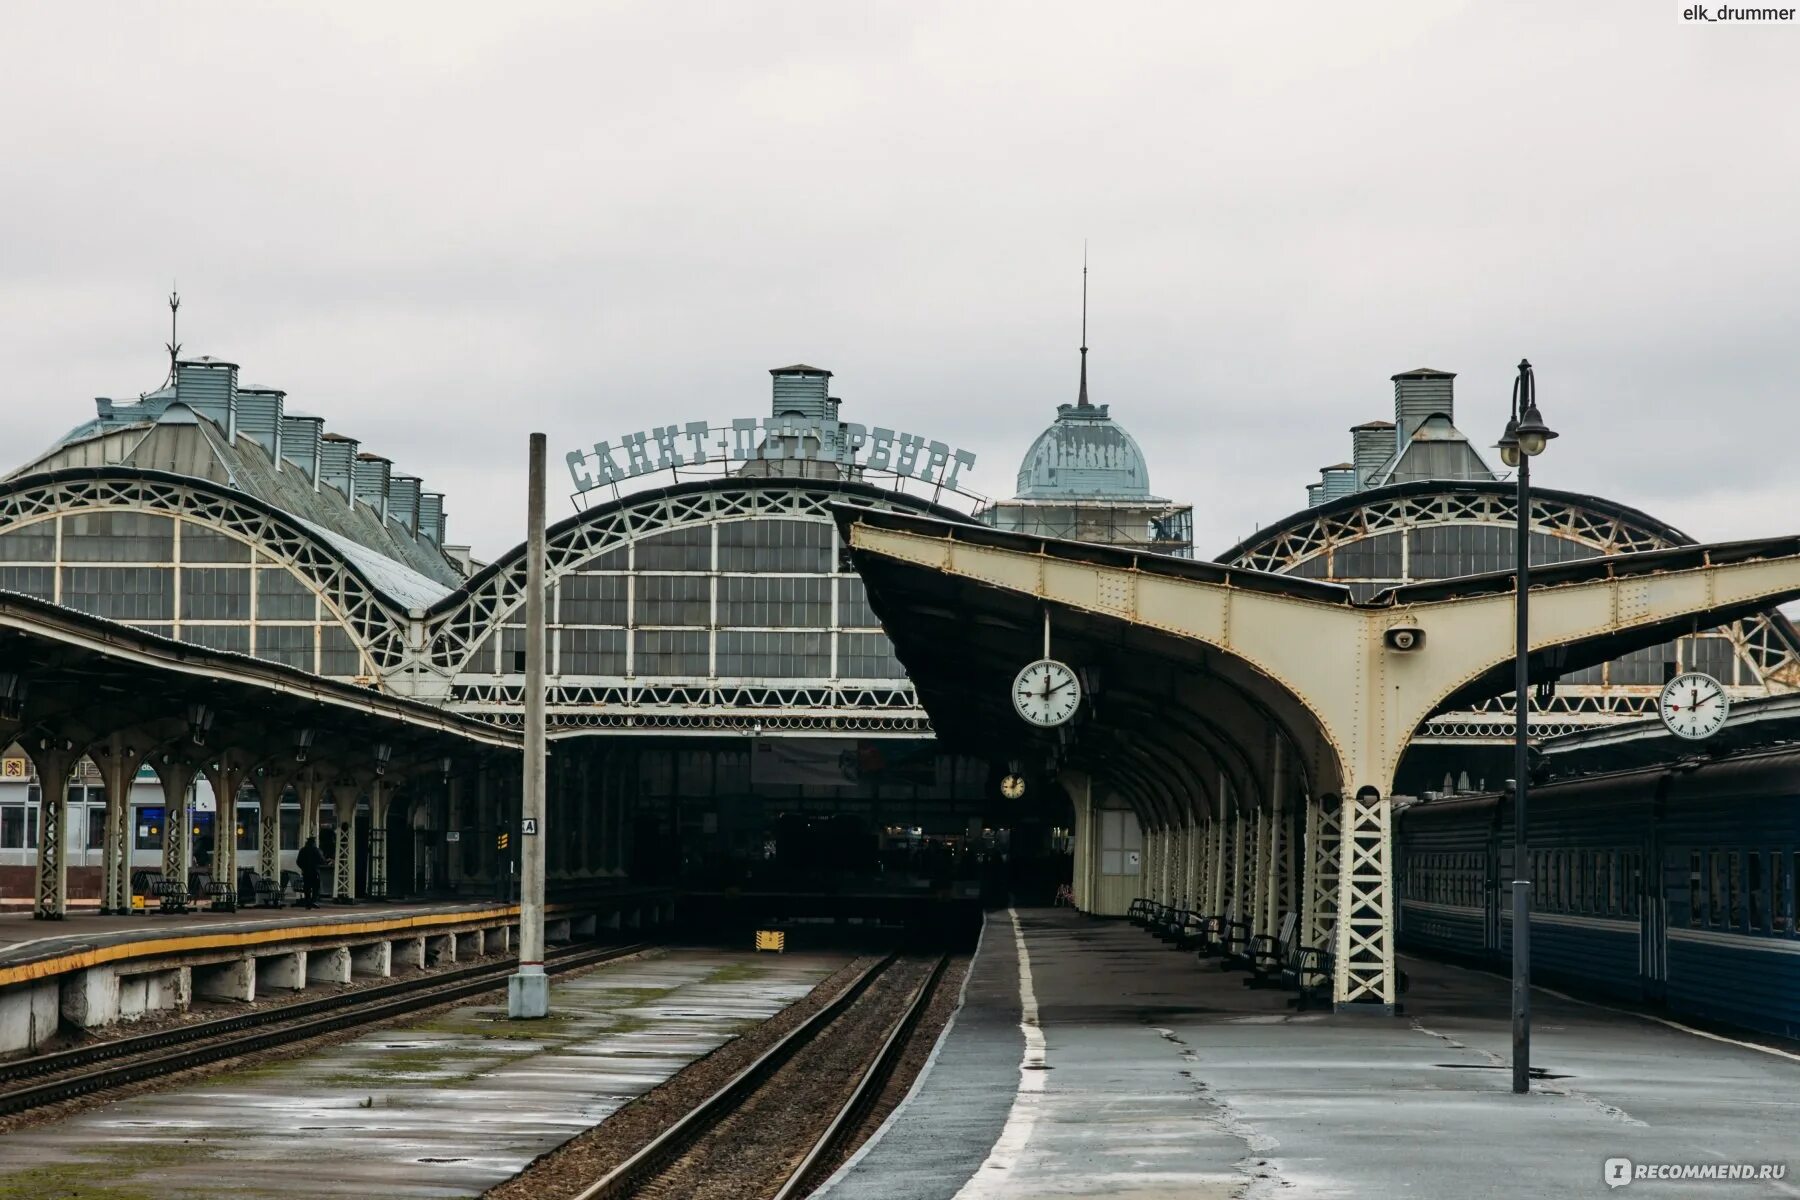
column 15, row 768
column 665, row 447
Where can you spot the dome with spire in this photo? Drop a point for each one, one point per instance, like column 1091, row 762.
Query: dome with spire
column 1084, row 453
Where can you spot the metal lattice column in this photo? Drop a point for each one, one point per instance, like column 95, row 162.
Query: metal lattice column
column 1365, row 943
column 344, row 861
column 1324, row 824
column 177, row 777
column 226, row 774
column 118, row 760
column 381, row 794
column 54, row 764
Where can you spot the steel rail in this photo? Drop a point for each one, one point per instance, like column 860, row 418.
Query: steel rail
column 667, row 1147
column 232, row 1037
column 801, row 1182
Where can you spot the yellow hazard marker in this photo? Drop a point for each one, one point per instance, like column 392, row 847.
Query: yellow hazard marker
column 771, row 939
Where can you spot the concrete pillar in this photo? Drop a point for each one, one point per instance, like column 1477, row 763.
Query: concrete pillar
column 376, row 959
column 528, row 991
column 234, row 980
column 29, row 1015
column 90, row 997
column 285, row 971
column 118, row 759
column 331, row 965
column 408, row 952
column 440, row 949
column 54, row 763
column 145, row 992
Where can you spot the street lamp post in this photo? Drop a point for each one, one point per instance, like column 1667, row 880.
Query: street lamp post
column 1525, row 438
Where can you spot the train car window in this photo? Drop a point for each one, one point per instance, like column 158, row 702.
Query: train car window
column 1753, row 883
column 1695, row 910
column 1715, row 869
column 148, row 832
column 1784, row 893
column 1734, row 888
column 1612, row 882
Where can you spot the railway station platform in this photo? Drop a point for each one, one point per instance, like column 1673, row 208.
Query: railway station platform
column 1090, row 1059
column 90, row 971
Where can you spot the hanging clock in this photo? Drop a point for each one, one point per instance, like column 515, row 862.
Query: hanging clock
column 1046, row 693
column 1012, row 787
column 1693, row 705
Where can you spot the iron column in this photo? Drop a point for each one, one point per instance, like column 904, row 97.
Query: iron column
column 1525, row 438
column 1521, row 888
column 528, row 991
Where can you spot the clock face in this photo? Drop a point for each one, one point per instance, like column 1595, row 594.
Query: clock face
column 1046, row 693
column 1012, row 787
column 1693, row 705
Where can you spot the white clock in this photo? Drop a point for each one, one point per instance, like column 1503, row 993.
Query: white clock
column 1693, row 705
column 1046, row 693
column 1012, row 787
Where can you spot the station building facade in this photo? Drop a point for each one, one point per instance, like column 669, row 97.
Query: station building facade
column 714, row 665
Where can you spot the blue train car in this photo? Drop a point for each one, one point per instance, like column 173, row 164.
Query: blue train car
column 1670, row 885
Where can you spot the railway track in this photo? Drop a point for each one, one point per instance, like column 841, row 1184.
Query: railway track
column 66, row 1074
column 787, row 1102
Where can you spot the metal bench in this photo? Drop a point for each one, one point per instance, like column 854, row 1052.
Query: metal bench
column 221, row 896
column 269, row 892
column 171, row 895
column 1269, row 955
column 1309, row 972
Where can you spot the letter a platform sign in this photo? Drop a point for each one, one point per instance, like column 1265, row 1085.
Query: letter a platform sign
column 528, row 827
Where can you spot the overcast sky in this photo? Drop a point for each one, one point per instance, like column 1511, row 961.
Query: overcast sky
column 441, row 226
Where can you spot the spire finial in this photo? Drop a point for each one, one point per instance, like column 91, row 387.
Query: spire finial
column 173, row 346
column 1081, row 400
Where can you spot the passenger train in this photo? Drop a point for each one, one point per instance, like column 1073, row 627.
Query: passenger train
column 1670, row 886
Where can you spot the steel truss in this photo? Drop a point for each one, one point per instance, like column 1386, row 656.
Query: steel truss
column 1765, row 643
column 375, row 624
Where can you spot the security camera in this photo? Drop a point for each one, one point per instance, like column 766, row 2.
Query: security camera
column 1404, row 638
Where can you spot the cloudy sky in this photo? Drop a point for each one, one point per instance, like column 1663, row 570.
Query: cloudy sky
column 443, row 225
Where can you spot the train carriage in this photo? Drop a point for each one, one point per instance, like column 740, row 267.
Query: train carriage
column 1670, row 886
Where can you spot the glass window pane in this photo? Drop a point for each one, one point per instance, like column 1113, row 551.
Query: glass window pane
column 688, row 549
column 117, row 537
column 592, row 651
column 235, row 638
column 121, row 593
column 677, row 652
column 30, row 543
column 776, row 546
column 338, row 655
column 673, row 600
column 291, row 645
column 215, row 594
column 591, row 600
column 745, row 654
column 202, row 545
column 30, row 581
column 867, row 656
column 782, row 602
column 283, row 596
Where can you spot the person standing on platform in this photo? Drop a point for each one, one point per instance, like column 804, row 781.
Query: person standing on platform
column 310, row 862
